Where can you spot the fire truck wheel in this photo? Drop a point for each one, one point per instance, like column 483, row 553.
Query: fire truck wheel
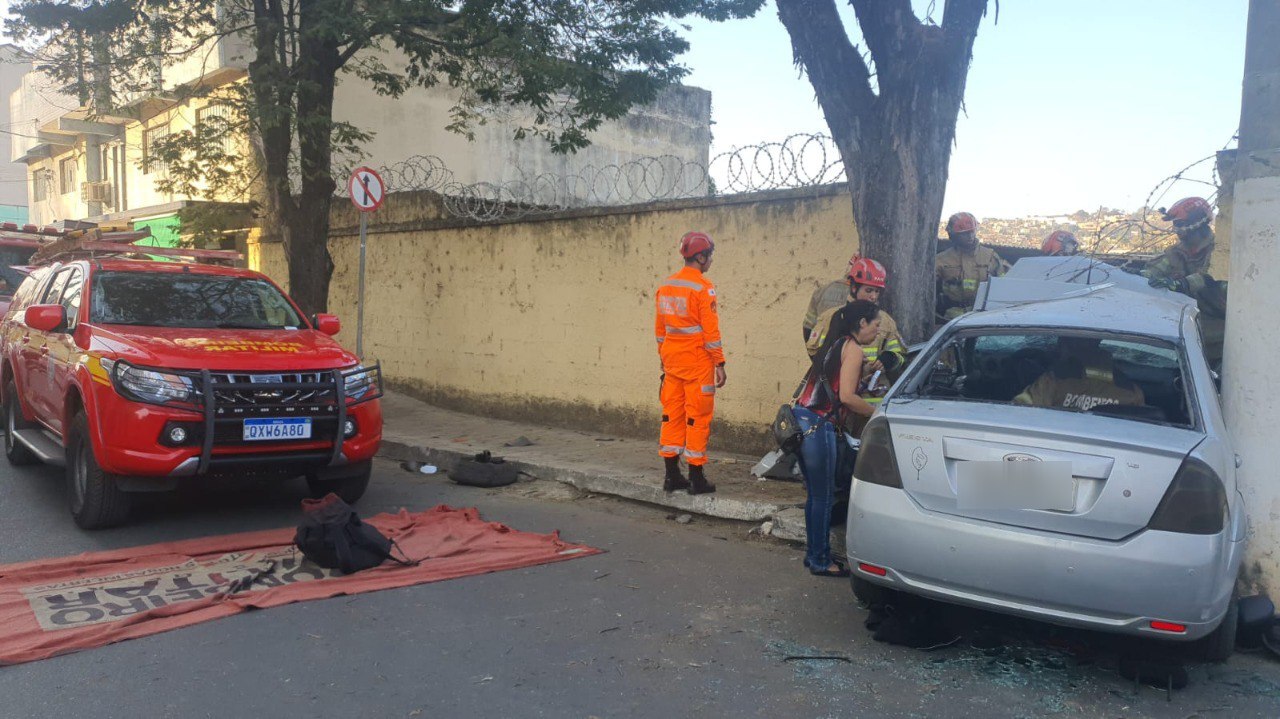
column 350, row 487
column 95, row 499
column 15, row 452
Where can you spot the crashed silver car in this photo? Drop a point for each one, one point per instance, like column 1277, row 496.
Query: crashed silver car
column 1059, row 455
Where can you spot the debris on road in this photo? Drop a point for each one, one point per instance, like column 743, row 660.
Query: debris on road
column 521, row 441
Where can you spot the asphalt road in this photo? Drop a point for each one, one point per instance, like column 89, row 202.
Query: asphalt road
column 674, row 620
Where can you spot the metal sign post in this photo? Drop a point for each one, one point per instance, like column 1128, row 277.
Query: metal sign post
column 367, row 192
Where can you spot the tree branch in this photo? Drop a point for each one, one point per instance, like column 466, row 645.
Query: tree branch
column 836, row 69
column 889, row 27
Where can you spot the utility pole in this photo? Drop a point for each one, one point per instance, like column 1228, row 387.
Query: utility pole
column 1251, row 384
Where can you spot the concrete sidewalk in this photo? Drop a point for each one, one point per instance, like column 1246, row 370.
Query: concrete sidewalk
column 627, row 468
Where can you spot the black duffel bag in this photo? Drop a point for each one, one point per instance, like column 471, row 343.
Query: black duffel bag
column 332, row 535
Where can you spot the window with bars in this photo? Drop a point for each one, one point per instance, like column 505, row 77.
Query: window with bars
column 40, row 185
column 68, row 173
column 150, row 162
column 221, row 124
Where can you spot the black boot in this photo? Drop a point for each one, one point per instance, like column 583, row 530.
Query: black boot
column 699, row 481
column 674, row 479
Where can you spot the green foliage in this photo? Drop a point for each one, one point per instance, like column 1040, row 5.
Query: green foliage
column 559, row 68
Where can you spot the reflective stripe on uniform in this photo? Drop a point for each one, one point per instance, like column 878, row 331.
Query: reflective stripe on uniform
column 684, row 330
column 694, row 455
column 708, row 389
column 713, row 345
column 669, row 448
column 689, row 284
column 660, row 339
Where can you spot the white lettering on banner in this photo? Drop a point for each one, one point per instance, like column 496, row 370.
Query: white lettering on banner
column 115, row 597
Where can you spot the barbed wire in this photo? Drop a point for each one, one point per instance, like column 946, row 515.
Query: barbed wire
column 1150, row 236
column 801, row 160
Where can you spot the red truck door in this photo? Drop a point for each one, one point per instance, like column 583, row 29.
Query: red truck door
column 35, row 357
column 63, row 352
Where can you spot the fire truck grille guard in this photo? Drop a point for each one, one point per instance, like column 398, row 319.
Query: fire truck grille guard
column 228, row 395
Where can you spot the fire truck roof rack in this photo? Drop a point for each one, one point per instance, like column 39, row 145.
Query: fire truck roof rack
column 94, row 243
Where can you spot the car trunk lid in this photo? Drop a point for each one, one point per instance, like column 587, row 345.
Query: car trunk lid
column 1120, row 468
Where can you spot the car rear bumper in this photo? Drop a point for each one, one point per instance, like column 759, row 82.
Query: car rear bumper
column 1113, row 586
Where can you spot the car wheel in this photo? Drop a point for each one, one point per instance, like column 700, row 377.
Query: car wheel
column 869, row 594
column 95, row 500
column 350, row 488
column 1221, row 643
column 16, row 452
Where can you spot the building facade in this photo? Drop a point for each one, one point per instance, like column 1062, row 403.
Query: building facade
column 82, row 166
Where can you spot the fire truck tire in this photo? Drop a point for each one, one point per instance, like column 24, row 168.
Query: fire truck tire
column 350, row 488
column 16, row 452
column 95, row 499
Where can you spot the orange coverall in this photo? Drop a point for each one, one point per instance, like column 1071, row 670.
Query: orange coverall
column 688, row 333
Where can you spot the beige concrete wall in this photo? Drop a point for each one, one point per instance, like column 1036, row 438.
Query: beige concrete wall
column 552, row 319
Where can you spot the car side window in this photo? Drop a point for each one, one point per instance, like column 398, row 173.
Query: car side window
column 53, row 295
column 71, row 297
column 27, row 291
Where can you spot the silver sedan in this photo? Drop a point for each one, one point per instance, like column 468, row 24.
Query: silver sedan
column 1060, row 455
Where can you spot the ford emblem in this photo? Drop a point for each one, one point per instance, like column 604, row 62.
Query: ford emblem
column 1021, row 457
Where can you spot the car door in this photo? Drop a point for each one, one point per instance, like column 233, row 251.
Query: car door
column 35, row 355
column 63, row 353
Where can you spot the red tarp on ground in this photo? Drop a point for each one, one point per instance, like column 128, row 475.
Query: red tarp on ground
column 56, row 606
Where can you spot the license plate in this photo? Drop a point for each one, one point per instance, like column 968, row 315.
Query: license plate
column 265, row 379
column 276, row 429
column 1015, row 485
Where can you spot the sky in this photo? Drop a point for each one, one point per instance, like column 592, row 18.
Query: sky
column 1070, row 104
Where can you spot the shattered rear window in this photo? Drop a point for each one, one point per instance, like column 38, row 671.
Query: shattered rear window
column 1119, row 376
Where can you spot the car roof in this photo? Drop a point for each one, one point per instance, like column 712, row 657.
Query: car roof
column 160, row 267
column 1079, row 293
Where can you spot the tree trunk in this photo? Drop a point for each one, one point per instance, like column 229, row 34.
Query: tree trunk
column 307, row 241
column 895, row 140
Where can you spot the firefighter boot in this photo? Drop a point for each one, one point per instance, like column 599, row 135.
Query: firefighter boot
column 674, row 479
column 699, row 481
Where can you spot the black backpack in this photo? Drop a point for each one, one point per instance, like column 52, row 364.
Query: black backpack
column 332, row 535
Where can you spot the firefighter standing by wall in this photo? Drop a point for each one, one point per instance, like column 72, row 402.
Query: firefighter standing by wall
column 828, row 298
column 688, row 332
column 962, row 267
column 867, row 280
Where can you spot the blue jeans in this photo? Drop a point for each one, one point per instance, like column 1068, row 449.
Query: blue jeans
column 818, row 459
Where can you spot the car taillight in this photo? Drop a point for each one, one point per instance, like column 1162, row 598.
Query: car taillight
column 876, row 461
column 1195, row 502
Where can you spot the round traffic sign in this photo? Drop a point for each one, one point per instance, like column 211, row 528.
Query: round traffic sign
column 366, row 189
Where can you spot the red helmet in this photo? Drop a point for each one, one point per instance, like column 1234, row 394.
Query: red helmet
column 866, row 271
column 695, row 243
column 1057, row 241
column 962, row 222
column 1189, row 213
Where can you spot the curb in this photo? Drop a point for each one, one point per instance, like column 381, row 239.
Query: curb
column 634, row 489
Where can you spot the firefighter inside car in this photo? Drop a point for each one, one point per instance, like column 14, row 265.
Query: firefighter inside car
column 136, row 374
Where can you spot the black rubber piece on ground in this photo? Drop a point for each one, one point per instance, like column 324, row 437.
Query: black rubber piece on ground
column 484, row 474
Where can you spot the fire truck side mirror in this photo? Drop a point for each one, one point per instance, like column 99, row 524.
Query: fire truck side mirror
column 46, row 318
column 328, row 324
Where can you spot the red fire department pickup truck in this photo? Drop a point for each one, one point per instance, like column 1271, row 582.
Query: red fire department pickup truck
column 135, row 374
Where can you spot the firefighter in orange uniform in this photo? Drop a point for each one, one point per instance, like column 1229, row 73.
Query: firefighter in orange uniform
column 688, row 333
